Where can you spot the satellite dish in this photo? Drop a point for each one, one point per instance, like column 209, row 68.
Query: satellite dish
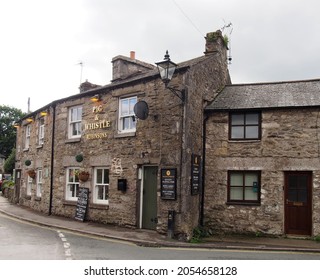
column 141, row 110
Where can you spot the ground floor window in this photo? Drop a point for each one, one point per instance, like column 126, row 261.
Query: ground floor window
column 29, row 185
column 39, row 182
column 72, row 186
column 101, row 185
column 244, row 187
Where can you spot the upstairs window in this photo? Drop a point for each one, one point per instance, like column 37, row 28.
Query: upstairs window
column 40, row 131
column 75, row 118
column 28, row 135
column 127, row 120
column 245, row 126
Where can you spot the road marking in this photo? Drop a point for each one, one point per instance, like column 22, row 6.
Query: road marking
column 66, row 245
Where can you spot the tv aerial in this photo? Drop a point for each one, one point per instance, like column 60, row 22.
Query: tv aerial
column 141, row 110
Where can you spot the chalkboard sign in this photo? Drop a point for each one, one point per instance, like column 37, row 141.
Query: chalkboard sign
column 195, row 174
column 169, row 183
column 82, row 204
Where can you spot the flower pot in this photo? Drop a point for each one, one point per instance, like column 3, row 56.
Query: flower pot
column 83, row 176
column 31, row 173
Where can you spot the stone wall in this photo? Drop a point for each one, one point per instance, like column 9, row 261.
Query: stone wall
column 290, row 142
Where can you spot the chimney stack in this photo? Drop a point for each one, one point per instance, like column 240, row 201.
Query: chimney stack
column 132, row 55
column 215, row 43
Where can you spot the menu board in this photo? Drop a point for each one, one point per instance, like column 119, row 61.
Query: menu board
column 82, row 204
column 195, row 174
column 169, row 183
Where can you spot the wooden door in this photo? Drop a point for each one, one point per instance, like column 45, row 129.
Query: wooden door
column 149, row 206
column 298, row 215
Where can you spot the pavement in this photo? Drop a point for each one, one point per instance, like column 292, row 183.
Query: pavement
column 151, row 238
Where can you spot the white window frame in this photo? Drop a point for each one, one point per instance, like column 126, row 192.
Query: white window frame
column 29, row 185
column 74, row 125
column 39, row 182
column 104, row 184
column 28, row 135
column 72, row 186
column 127, row 114
column 41, row 131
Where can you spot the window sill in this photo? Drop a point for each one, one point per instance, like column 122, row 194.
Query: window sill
column 37, row 198
column 40, row 146
column 28, row 197
column 25, row 150
column 70, row 202
column 99, row 206
column 73, row 140
column 244, row 141
column 125, row 134
column 244, row 203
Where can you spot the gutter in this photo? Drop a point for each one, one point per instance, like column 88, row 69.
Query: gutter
column 52, row 157
column 204, row 127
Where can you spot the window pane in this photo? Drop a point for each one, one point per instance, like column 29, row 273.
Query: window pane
column 250, row 178
column 133, row 101
column 106, row 176
column 252, row 132
column 252, row 118
column 100, row 192
column 237, row 132
column 237, row 119
column 236, row 179
column 236, row 193
column 124, row 107
column 99, row 176
column 249, row 194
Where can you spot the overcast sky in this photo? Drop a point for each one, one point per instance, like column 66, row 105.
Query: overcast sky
column 43, row 41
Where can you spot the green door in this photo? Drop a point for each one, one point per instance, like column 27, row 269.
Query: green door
column 149, row 201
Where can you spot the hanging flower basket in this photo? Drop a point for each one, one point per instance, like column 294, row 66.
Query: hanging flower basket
column 31, row 173
column 83, row 176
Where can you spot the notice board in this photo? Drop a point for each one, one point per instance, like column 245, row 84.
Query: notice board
column 82, row 204
column 169, row 183
column 195, row 174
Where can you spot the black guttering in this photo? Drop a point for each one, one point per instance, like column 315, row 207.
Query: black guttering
column 52, row 158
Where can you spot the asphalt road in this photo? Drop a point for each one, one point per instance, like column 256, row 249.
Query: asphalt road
column 25, row 241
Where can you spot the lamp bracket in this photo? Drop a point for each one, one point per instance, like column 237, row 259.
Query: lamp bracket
column 181, row 94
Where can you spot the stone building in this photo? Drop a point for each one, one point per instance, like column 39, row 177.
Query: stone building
column 143, row 173
column 262, row 171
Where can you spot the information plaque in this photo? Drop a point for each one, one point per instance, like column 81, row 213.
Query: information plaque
column 169, row 183
column 195, row 174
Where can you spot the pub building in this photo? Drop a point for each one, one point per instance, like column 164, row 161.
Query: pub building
column 170, row 147
column 138, row 139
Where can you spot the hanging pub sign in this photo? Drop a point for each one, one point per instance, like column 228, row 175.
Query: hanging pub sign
column 169, row 183
column 82, row 204
column 195, row 174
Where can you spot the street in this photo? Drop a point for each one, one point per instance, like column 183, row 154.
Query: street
column 25, row 241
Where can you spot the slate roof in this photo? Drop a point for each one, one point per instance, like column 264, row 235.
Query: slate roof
column 267, row 95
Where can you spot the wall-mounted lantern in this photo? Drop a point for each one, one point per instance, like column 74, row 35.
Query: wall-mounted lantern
column 95, row 98
column 166, row 70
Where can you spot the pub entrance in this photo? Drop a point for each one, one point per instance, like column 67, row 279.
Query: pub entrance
column 149, row 197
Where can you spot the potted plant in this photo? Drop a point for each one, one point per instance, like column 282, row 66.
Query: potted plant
column 31, row 173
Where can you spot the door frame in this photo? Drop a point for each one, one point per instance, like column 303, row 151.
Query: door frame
column 141, row 177
column 288, row 205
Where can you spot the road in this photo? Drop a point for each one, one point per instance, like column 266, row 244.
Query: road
column 26, row 241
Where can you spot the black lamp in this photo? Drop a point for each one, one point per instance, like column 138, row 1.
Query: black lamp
column 166, row 70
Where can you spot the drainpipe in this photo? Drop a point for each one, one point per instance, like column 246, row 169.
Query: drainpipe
column 52, row 157
column 204, row 127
